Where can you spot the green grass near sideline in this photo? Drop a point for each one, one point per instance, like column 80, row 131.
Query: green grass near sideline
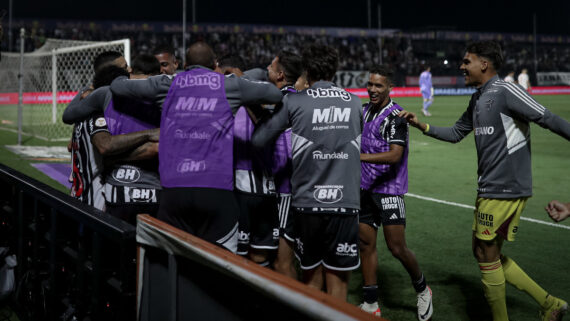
column 439, row 234
column 36, row 120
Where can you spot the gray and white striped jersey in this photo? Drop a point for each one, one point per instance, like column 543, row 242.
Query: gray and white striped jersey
column 499, row 113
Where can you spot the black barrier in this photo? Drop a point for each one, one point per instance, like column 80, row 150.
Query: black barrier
column 182, row 277
column 74, row 262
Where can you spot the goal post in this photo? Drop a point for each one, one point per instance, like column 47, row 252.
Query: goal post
column 51, row 76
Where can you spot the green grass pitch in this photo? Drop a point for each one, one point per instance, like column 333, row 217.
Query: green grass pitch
column 440, row 234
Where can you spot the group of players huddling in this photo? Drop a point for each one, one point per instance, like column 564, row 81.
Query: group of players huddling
column 280, row 162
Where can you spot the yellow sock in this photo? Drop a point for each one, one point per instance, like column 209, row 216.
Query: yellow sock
column 517, row 277
column 494, row 286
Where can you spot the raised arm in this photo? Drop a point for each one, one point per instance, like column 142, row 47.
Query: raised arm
column 521, row 103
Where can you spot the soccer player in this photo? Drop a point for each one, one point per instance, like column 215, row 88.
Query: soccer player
column 524, row 80
column 426, row 89
column 167, row 59
column 557, row 210
column 92, row 142
column 285, row 69
column 196, row 142
column 133, row 186
column 499, row 114
column 254, row 186
column 325, row 126
column 383, row 185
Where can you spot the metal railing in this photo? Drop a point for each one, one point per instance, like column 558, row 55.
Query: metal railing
column 73, row 261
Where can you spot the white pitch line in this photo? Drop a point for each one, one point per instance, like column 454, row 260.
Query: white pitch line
column 473, row 207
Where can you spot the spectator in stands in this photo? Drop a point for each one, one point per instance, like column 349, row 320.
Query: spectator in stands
column 196, row 157
column 326, row 124
column 167, row 59
column 510, row 77
column 523, row 79
column 558, row 211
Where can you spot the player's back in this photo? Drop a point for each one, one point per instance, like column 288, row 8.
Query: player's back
column 326, row 129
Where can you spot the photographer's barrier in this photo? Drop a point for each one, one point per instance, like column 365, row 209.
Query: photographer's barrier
column 182, row 277
column 73, row 261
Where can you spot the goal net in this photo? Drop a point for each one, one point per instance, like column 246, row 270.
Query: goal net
column 52, row 75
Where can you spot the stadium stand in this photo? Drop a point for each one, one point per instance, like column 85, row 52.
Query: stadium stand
column 405, row 52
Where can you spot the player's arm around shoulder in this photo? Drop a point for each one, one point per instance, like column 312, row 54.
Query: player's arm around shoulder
column 151, row 89
column 81, row 107
column 257, row 92
column 269, row 129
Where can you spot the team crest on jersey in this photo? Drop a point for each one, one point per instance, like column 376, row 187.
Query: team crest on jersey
column 101, row 122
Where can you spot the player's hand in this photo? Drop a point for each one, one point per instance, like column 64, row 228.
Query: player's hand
column 557, row 211
column 410, row 117
column 154, row 135
column 86, row 93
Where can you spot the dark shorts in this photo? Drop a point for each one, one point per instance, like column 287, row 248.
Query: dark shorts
column 328, row 239
column 258, row 222
column 208, row 213
column 285, row 217
column 126, row 202
column 129, row 212
column 382, row 209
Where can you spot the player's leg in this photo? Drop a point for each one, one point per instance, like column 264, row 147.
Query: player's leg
column 309, row 229
column 284, row 260
column 264, row 227
column 314, row 277
column 337, row 283
column 501, row 217
column 488, row 254
column 550, row 305
column 494, row 221
column 427, row 101
column 369, row 259
column 394, row 224
column 242, row 200
column 340, row 252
